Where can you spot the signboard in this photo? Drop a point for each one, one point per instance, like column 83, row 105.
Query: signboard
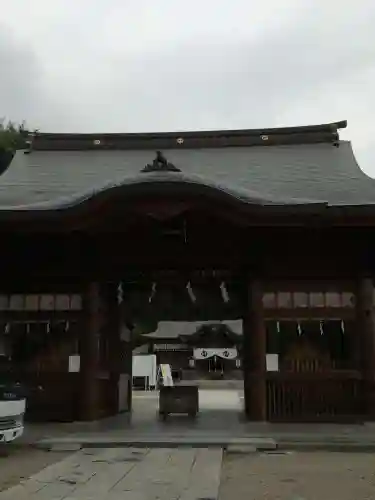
column 166, row 375
column 272, row 362
column 170, row 347
column 74, row 364
column 145, row 366
column 224, row 353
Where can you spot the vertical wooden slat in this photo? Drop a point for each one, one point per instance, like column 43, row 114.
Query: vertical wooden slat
column 323, row 397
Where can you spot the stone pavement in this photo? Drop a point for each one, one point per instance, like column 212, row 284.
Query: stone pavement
column 215, row 426
column 134, row 474
column 17, row 464
column 298, row 476
column 220, row 419
column 204, row 474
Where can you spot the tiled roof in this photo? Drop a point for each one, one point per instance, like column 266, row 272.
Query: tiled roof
column 277, row 166
column 173, row 329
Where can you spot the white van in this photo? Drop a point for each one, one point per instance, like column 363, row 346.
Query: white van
column 12, row 410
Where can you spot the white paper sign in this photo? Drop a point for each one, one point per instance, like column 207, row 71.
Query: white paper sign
column 74, row 363
column 272, row 362
column 145, row 366
column 169, row 347
column 166, row 373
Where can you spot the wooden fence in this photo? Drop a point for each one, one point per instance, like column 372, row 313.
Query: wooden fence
column 332, row 396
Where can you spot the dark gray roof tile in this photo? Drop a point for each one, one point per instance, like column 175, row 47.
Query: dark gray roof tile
column 173, row 329
column 281, row 174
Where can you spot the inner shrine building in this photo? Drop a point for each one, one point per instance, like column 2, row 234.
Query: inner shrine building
column 102, row 233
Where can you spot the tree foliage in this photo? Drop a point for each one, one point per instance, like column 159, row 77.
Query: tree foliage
column 13, row 136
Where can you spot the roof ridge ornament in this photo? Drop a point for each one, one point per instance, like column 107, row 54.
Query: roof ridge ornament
column 160, row 164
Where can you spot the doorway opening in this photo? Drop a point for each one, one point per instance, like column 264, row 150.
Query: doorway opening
column 192, row 323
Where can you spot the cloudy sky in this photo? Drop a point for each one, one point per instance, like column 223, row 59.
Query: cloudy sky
column 158, row 65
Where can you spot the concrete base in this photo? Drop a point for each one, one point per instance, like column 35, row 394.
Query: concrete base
column 230, row 444
column 217, row 425
column 259, row 444
column 238, row 449
column 344, row 446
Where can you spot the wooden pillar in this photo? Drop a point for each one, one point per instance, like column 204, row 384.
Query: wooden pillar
column 114, row 344
column 254, row 354
column 89, row 352
column 127, row 355
column 120, row 353
column 366, row 331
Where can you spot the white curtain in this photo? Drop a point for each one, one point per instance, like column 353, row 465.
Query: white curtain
column 225, row 353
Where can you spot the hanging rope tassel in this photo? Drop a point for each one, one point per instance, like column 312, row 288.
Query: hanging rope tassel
column 191, row 293
column 153, row 291
column 321, row 327
column 120, row 293
column 299, row 329
column 224, row 292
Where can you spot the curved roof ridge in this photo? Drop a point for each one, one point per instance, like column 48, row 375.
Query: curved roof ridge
column 165, row 179
column 356, row 177
column 282, row 175
column 355, row 162
column 6, row 158
column 326, row 127
column 15, row 167
column 187, row 139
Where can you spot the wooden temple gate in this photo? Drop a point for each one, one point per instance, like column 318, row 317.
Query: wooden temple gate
column 91, row 322
column 88, row 250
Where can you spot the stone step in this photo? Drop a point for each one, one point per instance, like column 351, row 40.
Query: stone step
column 156, row 441
column 359, row 446
column 203, row 440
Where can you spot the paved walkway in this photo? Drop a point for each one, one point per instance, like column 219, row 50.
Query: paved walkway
column 298, row 476
column 220, row 418
column 134, row 474
column 205, row 474
column 18, row 464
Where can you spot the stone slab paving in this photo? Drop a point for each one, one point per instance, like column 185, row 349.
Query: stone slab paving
column 134, row 474
column 298, row 476
column 17, row 464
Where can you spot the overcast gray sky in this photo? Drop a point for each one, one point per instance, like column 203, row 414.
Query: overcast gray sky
column 158, row 65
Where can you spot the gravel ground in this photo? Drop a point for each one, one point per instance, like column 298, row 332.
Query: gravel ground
column 17, row 463
column 298, row 476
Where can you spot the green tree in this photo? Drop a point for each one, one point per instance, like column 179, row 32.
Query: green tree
column 12, row 136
